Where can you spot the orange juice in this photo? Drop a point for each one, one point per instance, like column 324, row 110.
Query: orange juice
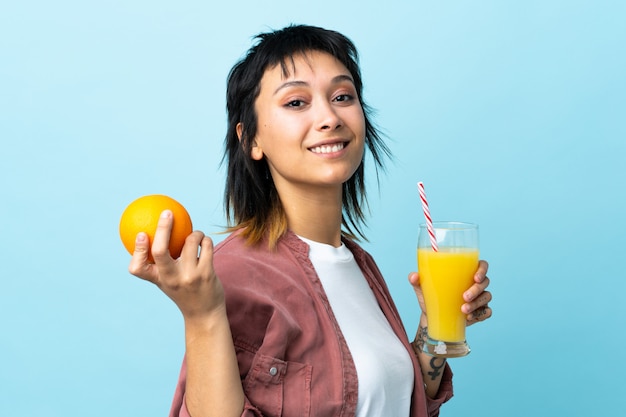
column 444, row 276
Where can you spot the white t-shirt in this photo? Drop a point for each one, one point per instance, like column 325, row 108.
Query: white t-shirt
column 382, row 363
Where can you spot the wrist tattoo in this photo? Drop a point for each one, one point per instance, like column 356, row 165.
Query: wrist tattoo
column 420, row 339
column 436, row 368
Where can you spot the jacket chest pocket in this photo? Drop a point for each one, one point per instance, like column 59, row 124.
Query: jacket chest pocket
column 279, row 388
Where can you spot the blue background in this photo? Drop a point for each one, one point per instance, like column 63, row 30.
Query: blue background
column 512, row 113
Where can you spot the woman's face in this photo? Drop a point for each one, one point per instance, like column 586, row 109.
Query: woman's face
column 310, row 124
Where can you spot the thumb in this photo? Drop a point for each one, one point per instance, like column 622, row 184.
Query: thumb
column 414, row 280
column 142, row 247
column 140, row 263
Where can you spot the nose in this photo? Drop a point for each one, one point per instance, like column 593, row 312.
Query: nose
column 328, row 119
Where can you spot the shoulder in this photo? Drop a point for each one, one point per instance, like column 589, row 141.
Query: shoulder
column 263, row 285
column 236, row 261
column 235, row 248
column 361, row 256
column 366, row 262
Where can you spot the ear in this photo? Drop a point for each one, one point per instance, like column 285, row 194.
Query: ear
column 239, row 129
column 256, row 152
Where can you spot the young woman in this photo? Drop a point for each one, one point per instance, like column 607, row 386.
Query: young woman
column 288, row 316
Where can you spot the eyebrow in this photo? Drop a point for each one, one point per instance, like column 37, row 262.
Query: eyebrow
column 336, row 80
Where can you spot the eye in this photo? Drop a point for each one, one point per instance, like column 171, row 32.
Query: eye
column 295, row 103
column 344, row 98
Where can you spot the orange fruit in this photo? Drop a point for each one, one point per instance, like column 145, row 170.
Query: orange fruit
column 142, row 215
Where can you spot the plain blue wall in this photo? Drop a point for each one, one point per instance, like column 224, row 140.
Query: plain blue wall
column 512, row 113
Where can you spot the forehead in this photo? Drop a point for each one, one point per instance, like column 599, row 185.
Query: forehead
column 303, row 64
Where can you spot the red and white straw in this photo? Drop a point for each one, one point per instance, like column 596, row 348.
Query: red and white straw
column 429, row 220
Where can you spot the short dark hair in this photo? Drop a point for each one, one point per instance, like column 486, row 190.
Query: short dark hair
column 251, row 199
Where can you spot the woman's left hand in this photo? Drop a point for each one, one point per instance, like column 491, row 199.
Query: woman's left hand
column 476, row 306
column 476, row 298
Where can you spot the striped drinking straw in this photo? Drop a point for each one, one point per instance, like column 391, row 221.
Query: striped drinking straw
column 429, row 220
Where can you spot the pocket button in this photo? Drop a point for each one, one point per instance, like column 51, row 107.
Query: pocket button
column 273, row 371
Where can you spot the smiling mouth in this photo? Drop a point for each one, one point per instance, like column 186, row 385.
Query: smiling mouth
column 335, row 147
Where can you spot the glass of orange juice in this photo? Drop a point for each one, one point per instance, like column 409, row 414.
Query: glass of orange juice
column 445, row 274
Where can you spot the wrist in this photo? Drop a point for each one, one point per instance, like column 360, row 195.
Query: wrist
column 420, row 338
column 423, row 320
column 205, row 324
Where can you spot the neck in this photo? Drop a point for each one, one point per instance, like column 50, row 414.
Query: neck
column 314, row 215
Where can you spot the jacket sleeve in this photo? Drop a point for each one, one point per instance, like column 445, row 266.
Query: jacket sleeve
column 179, row 408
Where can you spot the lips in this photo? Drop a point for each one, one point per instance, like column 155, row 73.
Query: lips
column 328, row 148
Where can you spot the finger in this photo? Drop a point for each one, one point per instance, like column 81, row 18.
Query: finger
column 205, row 259
column 193, row 248
column 414, row 279
column 192, row 242
column 161, row 244
column 481, row 272
column 139, row 264
column 478, row 315
column 481, row 301
column 476, row 290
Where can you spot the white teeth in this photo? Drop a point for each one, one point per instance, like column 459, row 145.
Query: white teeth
column 328, row 148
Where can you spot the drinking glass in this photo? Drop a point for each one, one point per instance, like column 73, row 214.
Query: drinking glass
column 445, row 274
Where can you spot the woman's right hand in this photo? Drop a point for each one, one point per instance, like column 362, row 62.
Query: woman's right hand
column 190, row 280
column 191, row 283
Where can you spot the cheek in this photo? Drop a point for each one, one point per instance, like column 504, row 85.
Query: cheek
column 358, row 120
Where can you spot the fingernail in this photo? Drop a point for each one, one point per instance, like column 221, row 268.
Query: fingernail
column 166, row 214
column 141, row 237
